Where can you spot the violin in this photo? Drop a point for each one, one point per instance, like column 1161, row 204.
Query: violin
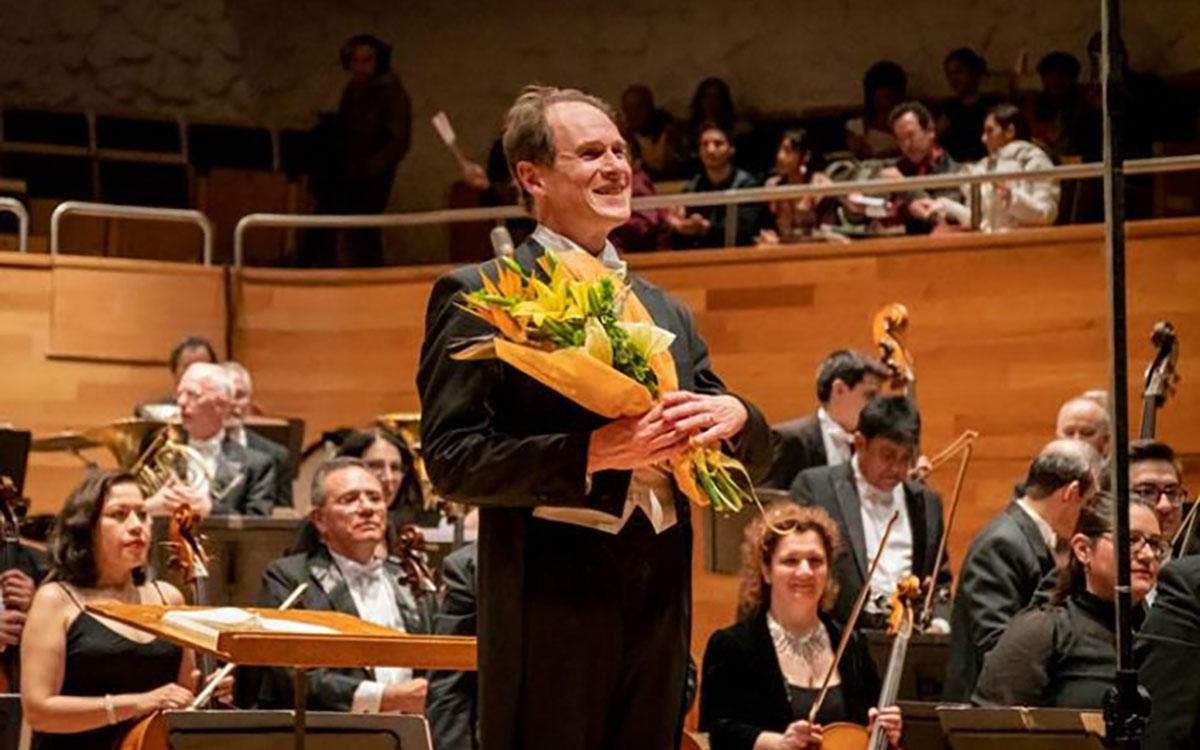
column 901, row 621
column 409, row 550
column 1161, row 377
column 890, row 333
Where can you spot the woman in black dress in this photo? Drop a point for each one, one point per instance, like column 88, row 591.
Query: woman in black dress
column 84, row 678
column 762, row 675
column 1064, row 654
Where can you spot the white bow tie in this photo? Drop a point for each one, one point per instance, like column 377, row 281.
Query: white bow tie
column 363, row 574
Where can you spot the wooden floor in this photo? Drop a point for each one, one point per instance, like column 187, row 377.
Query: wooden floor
column 1003, row 329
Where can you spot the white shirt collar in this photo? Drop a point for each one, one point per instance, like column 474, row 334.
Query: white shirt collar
column 210, row 446
column 1043, row 527
column 355, row 572
column 839, row 444
column 869, row 494
column 552, row 240
column 238, row 433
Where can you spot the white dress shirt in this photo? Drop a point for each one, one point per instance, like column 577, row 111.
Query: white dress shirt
column 651, row 489
column 877, row 507
column 376, row 603
column 839, row 444
column 210, row 453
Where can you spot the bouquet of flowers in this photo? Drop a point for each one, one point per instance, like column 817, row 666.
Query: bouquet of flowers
column 579, row 329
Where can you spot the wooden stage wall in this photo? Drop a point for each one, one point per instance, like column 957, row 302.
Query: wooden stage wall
column 1003, row 329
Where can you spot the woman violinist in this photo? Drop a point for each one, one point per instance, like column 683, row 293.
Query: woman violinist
column 84, row 678
column 762, row 675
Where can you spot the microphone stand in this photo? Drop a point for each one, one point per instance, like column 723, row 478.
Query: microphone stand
column 1127, row 705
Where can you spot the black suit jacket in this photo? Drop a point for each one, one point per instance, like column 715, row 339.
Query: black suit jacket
column 833, row 488
column 328, row 689
column 796, row 445
column 744, row 693
column 254, row 494
column 1005, row 566
column 452, row 704
column 496, row 438
column 281, row 458
column 1167, row 649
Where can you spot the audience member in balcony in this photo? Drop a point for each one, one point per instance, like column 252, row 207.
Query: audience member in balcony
column 792, row 220
column 654, row 131
column 189, row 350
column 646, row 229
column 962, row 115
column 1056, row 115
column 885, row 86
column 921, row 156
column 242, row 407
column 372, row 136
column 712, row 102
column 238, row 480
column 1009, row 203
column 704, row 226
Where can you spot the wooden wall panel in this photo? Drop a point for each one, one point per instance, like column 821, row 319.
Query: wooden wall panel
column 1003, row 330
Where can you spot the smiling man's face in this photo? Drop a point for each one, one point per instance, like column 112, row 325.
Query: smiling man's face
column 585, row 191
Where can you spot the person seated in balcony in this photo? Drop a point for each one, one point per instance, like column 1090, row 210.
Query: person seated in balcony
column 187, row 351
column 704, row 226
column 961, row 116
column 1012, row 202
column 796, row 219
column 921, row 156
column 655, row 134
column 1057, row 115
column 885, row 86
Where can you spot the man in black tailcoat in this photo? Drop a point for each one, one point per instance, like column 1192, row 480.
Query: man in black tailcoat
column 584, row 567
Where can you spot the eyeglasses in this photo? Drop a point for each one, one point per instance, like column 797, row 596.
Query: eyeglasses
column 1137, row 541
column 1150, row 493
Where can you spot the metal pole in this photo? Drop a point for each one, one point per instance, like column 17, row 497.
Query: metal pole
column 17, row 208
column 1126, row 707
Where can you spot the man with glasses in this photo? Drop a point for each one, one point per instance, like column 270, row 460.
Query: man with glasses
column 1156, row 478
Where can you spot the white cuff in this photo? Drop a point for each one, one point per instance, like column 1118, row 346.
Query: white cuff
column 368, row 696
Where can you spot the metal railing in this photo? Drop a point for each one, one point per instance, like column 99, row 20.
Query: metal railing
column 137, row 213
column 14, row 206
column 728, row 198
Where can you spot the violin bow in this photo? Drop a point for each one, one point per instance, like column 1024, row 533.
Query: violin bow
column 965, row 443
column 850, row 623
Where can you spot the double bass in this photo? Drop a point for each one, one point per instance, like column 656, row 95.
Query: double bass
column 10, row 553
column 1161, row 377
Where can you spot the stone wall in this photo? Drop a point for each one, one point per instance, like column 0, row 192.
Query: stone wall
column 275, row 61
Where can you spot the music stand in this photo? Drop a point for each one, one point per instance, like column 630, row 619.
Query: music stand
column 924, row 667
column 969, row 728
column 10, row 720
column 272, row 730
column 14, row 455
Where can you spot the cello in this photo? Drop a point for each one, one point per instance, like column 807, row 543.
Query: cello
column 1161, row 377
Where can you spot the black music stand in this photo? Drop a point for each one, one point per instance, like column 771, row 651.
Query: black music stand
column 273, row 730
column 14, row 455
column 10, row 720
column 968, row 728
column 924, row 667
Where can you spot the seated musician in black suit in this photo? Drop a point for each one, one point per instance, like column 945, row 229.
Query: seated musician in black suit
column 1156, row 478
column 453, row 707
column 861, row 497
column 1064, row 654
column 1166, row 651
column 846, row 381
column 1010, row 558
column 186, row 352
column 762, row 675
column 346, row 574
column 242, row 406
column 237, row 479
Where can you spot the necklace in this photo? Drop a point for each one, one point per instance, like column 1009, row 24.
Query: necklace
column 807, row 647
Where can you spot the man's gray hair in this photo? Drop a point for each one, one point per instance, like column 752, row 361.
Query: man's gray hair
column 527, row 135
column 325, row 470
column 211, row 376
column 238, row 370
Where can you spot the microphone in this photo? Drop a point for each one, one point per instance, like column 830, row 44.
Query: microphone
column 502, row 242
